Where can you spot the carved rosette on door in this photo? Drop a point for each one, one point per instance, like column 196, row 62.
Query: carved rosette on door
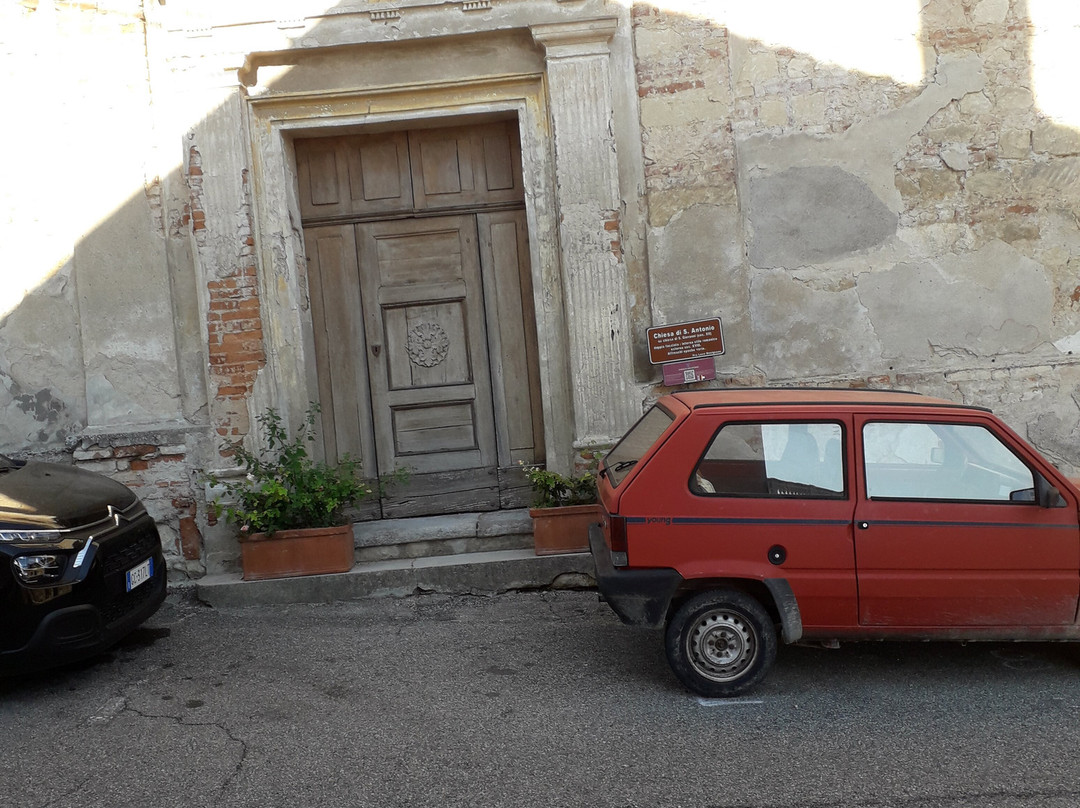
column 428, row 345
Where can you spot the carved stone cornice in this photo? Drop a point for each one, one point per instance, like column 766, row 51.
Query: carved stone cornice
column 307, row 14
column 577, row 38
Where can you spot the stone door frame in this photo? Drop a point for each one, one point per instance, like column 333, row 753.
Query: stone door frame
column 572, row 200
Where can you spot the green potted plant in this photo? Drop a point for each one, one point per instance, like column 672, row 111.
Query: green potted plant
column 564, row 507
column 290, row 510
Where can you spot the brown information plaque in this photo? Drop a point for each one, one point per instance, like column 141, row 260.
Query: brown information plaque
column 673, row 343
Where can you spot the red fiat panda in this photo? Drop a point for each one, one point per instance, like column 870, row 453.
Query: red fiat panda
column 734, row 517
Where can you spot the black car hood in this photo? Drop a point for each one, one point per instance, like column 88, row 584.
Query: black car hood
column 49, row 495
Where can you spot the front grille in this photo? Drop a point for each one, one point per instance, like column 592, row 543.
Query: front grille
column 129, row 602
column 123, row 551
column 122, row 548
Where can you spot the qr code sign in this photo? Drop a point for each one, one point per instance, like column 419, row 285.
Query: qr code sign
column 689, row 375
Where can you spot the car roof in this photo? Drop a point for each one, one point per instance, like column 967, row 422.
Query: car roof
column 796, row 396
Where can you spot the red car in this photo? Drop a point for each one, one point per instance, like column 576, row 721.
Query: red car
column 736, row 517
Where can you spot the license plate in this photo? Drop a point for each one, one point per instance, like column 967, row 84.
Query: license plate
column 140, row 574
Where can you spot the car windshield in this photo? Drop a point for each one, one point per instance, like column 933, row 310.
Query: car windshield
column 635, row 444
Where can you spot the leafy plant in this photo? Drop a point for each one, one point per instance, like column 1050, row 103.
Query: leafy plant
column 398, row 476
column 554, row 490
column 285, row 489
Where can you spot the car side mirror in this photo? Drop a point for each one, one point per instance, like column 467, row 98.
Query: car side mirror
column 1047, row 495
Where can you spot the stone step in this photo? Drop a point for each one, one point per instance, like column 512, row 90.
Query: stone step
column 451, row 534
column 480, row 573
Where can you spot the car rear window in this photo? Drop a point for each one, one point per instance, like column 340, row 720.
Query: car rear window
column 635, row 444
column 773, row 459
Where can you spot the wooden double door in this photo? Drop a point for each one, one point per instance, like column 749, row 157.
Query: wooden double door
column 421, row 304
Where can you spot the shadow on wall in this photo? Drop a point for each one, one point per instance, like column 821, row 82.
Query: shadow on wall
column 917, row 235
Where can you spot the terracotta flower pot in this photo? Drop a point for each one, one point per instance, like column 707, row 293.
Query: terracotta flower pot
column 563, row 530
column 288, row 553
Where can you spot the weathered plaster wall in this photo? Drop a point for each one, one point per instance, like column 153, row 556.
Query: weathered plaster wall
column 42, row 379
column 91, row 367
column 42, row 394
column 851, row 227
column 856, row 229
column 82, row 200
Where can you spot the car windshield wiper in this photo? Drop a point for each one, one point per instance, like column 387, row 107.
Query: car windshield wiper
column 623, row 464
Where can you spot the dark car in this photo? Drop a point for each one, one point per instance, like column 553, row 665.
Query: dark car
column 735, row 519
column 80, row 564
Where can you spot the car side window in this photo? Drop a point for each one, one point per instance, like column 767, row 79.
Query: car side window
column 942, row 461
column 773, row 460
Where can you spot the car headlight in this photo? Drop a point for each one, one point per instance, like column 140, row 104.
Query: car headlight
column 29, row 536
column 44, row 568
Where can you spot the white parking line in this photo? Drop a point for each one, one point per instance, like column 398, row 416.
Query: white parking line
column 726, row 702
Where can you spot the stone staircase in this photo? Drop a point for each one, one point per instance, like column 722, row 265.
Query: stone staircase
column 468, row 553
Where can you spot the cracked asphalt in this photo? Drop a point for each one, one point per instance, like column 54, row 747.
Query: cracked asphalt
column 537, row 699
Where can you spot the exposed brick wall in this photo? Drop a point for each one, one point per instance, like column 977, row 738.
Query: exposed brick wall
column 977, row 186
column 158, row 470
column 683, row 77
column 612, row 225
column 235, row 344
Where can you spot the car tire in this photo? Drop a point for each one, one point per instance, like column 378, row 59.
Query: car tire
column 720, row 643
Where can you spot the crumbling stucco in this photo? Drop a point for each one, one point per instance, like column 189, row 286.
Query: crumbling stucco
column 706, row 275
column 41, row 370
column 984, row 304
column 810, row 215
column 790, row 346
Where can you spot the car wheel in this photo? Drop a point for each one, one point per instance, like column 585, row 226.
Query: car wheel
column 720, row 643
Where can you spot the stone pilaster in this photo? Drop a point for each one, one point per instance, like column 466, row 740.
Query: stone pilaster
column 594, row 275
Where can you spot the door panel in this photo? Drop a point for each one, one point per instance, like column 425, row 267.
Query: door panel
column 466, row 166
column 378, row 172
column 339, row 345
column 427, row 346
column 322, row 175
column 360, row 175
column 427, row 358
column 434, row 428
column 504, row 257
column 461, row 491
column 938, row 562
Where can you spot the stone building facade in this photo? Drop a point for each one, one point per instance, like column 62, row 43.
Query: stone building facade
column 215, row 208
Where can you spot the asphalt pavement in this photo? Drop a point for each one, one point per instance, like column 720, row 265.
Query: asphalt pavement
column 530, row 699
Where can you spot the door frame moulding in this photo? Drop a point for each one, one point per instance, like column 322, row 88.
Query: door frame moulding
column 290, row 379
